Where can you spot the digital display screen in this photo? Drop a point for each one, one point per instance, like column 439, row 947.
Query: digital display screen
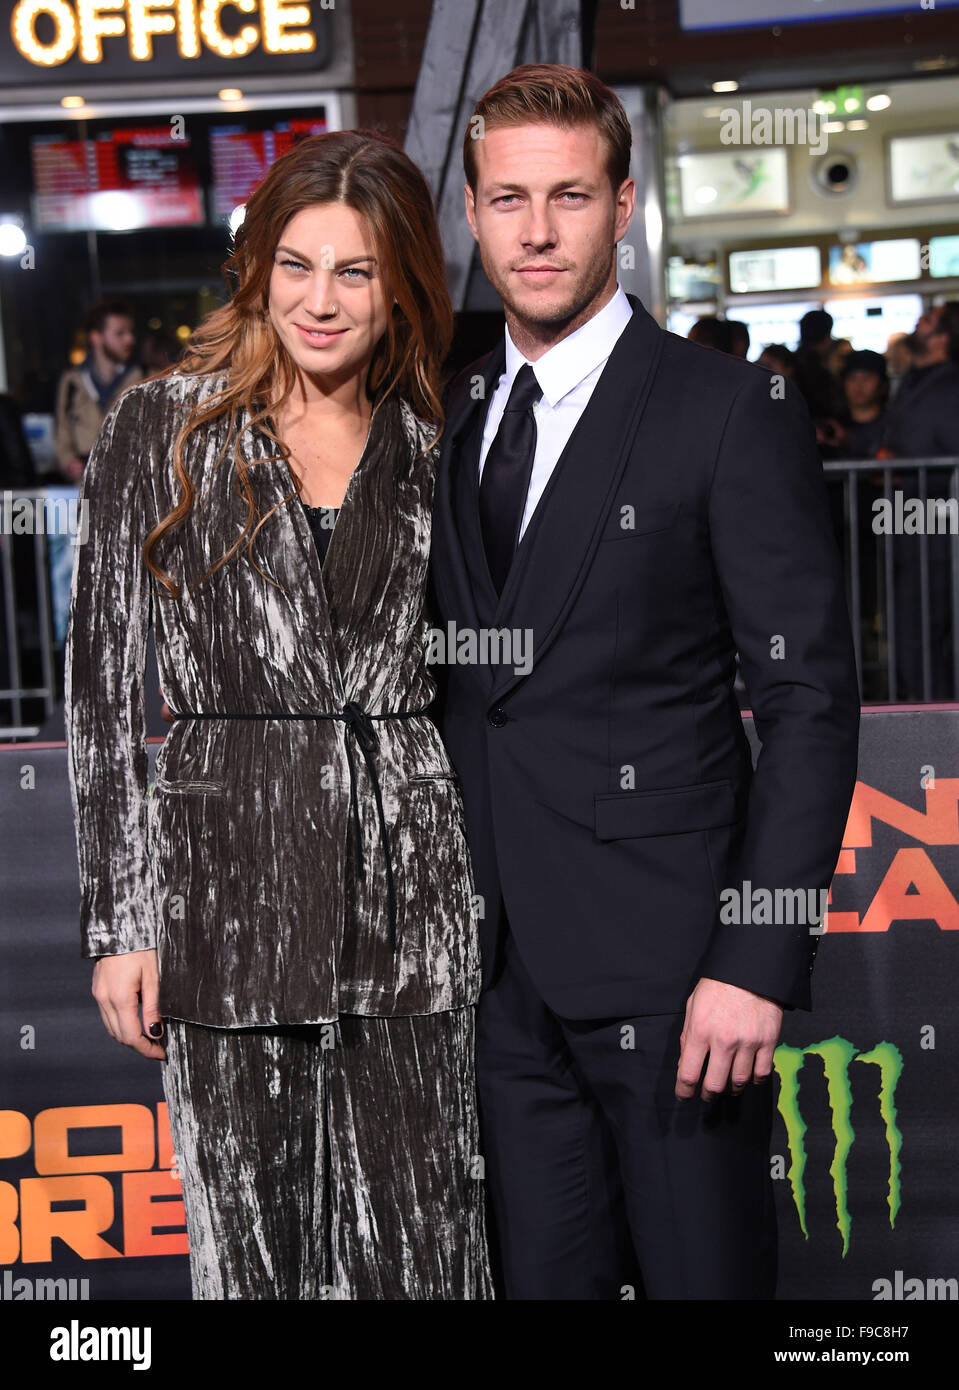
column 732, row 14
column 875, row 262
column 944, row 256
column 775, row 268
column 240, row 157
column 116, row 181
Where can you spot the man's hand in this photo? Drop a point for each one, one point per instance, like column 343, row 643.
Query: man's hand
column 737, row 1028
column 122, row 986
column 165, row 710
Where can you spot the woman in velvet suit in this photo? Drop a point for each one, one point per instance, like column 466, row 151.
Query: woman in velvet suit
column 286, row 920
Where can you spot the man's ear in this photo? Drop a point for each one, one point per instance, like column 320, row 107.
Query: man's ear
column 470, row 203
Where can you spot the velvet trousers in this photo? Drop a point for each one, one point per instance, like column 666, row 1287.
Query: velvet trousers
column 337, row 1161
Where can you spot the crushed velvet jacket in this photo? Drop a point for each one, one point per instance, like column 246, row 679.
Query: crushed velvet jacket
column 256, row 866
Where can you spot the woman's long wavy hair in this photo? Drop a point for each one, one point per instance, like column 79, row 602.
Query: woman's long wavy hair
column 370, row 173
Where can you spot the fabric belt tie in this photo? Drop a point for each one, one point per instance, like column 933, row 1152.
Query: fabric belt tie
column 360, row 724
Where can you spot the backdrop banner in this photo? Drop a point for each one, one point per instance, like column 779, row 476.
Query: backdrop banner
column 866, row 1129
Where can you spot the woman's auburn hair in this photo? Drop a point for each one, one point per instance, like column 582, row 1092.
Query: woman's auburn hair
column 369, row 172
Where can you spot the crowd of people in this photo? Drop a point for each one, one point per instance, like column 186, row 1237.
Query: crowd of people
column 903, row 403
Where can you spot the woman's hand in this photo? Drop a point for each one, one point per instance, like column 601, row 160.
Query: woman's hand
column 122, row 985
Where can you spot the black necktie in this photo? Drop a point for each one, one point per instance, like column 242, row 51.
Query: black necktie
column 506, row 475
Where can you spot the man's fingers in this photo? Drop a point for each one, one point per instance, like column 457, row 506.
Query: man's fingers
column 690, row 1067
column 717, row 1073
column 742, row 1069
column 763, row 1065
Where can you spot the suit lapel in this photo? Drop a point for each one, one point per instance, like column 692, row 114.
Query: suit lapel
column 460, row 573
column 286, row 551
column 557, row 549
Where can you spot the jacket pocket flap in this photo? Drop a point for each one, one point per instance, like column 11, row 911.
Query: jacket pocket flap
column 640, row 521
column 667, row 812
column 183, row 787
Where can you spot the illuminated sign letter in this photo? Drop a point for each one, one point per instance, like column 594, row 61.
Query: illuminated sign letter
column 144, row 23
column 94, row 26
column 24, row 35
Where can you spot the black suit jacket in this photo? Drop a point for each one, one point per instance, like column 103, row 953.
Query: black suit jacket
column 609, row 792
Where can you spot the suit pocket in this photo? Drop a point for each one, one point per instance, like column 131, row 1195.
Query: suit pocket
column 625, row 523
column 669, row 811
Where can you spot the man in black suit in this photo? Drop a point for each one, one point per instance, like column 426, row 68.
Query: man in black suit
column 639, row 509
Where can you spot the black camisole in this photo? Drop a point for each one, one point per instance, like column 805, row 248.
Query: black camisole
column 322, row 520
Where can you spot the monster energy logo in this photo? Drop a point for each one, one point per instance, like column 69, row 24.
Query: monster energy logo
column 836, row 1054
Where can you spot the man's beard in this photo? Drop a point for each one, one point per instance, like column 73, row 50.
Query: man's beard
column 554, row 317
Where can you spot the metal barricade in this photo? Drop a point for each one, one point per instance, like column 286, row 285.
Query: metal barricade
column 905, row 650
column 26, row 608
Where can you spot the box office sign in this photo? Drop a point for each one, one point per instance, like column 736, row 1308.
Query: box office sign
column 74, row 41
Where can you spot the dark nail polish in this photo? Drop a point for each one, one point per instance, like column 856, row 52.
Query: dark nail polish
column 156, row 1029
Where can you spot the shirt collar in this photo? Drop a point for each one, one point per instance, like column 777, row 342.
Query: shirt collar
column 571, row 360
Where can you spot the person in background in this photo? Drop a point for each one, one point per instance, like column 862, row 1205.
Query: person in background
column 924, row 417
column 866, row 387
column 776, row 357
column 819, row 388
column 738, row 338
column 709, row 331
column 837, row 356
column 923, row 422
column 85, row 393
column 159, row 350
column 898, row 359
column 815, row 333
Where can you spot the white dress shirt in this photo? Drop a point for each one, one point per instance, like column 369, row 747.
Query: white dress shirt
column 567, row 374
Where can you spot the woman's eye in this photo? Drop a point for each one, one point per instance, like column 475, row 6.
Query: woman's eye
column 296, row 265
column 355, row 270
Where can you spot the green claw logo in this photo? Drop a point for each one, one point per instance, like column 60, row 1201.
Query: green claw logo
column 836, row 1054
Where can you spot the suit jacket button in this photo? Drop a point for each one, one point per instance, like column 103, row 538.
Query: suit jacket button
column 497, row 716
